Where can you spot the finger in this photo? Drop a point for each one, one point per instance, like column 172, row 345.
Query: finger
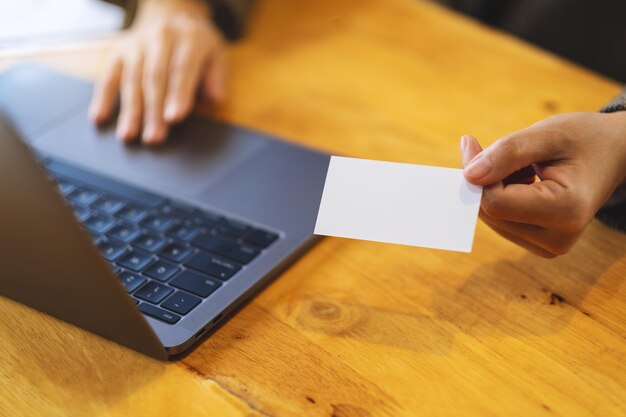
column 215, row 76
column 555, row 242
column 469, row 148
column 185, row 69
column 512, row 153
column 521, row 242
column 542, row 203
column 131, row 101
column 156, row 72
column 106, row 92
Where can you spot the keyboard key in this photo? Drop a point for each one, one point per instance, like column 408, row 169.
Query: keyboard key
column 108, row 205
column 203, row 219
column 232, row 250
column 99, row 224
column 159, row 313
column 111, row 251
column 175, row 252
column 83, row 197
column 81, row 213
column 132, row 214
column 124, row 233
column 195, row 283
column 161, row 271
column 181, row 302
column 135, row 261
column 123, row 190
column 150, row 243
column 183, row 232
column 212, row 265
column 96, row 238
column 65, row 187
column 158, row 223
column 153, row 292
column 260, row 238
column 230, row 229
column 131, row 281
column 175, row 210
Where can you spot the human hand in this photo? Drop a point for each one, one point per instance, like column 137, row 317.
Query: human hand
column 172, row 51
column 580, row 159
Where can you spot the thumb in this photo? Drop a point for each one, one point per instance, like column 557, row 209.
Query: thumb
column 215, row 78
column 512, row 153
column 469, row 149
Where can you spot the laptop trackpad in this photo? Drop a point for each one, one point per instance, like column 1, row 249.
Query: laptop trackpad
column 198, row 153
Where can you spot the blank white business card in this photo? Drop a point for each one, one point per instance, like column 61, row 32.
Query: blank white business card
column 398, row 203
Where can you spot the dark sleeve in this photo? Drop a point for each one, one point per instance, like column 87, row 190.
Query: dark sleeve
column 231, row 16
column 613, row 213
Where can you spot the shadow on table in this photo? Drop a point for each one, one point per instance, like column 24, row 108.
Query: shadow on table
column 528, row 296
column 535, row 296
column 65, row 367
column 257, row 354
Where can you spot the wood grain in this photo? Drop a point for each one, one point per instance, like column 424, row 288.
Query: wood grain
column 360, row 328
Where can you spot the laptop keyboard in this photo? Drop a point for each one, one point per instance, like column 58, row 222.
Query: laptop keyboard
column 170, row 257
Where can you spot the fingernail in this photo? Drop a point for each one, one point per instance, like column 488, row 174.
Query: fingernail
column 478, row 167
column 464, row 140
column 122, row 130
column 154, row 135
column 171, row 111
column 149, row 133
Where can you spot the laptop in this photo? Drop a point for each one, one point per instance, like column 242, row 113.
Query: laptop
column 150, row 247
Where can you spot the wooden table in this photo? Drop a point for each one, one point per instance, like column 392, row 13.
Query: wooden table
column 358, row 328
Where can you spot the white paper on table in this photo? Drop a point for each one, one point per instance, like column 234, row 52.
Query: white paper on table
column 406, row 204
